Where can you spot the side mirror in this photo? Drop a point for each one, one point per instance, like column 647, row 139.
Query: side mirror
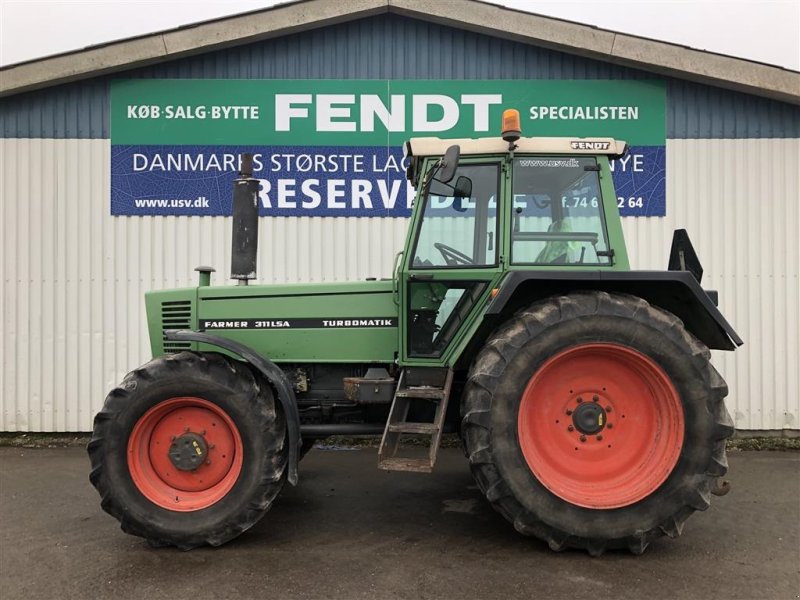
column 462, row 190
column 463, row 187
column 449, row 164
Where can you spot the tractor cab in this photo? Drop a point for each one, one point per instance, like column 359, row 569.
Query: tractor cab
column 525, row 202
column 489, row 206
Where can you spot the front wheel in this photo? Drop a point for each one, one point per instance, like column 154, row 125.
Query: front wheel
column 189, row 450
column 595, row 421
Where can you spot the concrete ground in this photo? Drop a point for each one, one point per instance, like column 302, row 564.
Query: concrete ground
column 351, row 531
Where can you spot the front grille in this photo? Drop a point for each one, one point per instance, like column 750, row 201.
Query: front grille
column 176, row 315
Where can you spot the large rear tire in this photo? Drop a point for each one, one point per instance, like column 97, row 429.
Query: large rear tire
column 595, row 421
column 189, row 450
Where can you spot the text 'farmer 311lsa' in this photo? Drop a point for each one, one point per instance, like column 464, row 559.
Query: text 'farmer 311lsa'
column 583, row 392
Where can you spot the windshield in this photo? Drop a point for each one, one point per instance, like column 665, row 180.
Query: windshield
column 558, row 212
column 456, row 231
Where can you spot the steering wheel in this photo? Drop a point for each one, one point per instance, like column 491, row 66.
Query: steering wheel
column 452, row 256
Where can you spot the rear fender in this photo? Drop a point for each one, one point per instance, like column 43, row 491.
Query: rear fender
column 675, row 291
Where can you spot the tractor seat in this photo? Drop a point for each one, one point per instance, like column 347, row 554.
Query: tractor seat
column 555, row 252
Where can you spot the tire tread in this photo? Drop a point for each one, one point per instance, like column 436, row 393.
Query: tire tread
column 484, row 377
column 242, row 380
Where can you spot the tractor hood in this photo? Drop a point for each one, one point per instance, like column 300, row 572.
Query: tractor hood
column 337, row 322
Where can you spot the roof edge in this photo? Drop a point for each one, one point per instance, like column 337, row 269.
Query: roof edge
column 645, row 54
column 198, row 38
column 662, row 58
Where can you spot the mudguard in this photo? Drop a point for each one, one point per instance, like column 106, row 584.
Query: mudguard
column 270, row 371
column 675, row 291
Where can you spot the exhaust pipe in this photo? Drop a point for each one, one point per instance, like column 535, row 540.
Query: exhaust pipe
column 244, row 241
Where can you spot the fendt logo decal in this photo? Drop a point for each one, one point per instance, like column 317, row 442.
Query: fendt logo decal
column 590, row 145
column 327, row 323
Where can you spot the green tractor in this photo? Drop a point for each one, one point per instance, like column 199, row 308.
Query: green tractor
column 582, row 391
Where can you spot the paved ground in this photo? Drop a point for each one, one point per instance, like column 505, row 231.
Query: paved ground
column 351, row 531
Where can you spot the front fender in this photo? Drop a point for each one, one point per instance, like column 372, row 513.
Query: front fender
column 273, row 375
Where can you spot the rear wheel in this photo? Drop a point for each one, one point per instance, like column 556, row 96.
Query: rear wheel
column 189, row 450
column 595, row 421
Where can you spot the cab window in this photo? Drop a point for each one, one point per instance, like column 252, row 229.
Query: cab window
column 458, row 231
column 557, row 212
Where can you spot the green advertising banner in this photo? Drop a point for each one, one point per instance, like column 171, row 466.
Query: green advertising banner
column 175, row 142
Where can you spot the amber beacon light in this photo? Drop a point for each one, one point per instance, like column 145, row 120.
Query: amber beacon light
column 511, row 127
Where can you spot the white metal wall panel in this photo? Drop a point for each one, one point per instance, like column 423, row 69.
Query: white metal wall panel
column 72, row 309
column 739, row 201
column 72, row 316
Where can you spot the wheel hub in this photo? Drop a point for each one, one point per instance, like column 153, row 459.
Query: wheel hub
column 188, row 452
column 589, row 418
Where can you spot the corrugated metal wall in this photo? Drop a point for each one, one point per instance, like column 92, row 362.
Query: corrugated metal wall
column 394, row 47
column 738, row 200
column 73, row 276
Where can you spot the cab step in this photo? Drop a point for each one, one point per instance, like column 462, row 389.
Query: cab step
column 416, row 465
column 429, row 393
column 430, row 385
column 414, row 428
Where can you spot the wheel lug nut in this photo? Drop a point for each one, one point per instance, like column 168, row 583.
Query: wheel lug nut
column 570, row 428
column 608, row 409
column 569, row 412
column 599, row 438
column 203, row 432
column 610, row 425
column 583, row 438
column 580, row 399
column 186, row 430
column 595, row 398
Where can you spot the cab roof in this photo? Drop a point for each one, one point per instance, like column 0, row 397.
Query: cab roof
column 432, row 146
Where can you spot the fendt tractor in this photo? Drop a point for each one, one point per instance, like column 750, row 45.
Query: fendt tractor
column 582, row 390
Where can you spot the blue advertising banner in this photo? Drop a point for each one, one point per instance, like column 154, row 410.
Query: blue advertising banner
column 174, row 156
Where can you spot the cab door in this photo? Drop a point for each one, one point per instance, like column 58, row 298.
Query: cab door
column 451, row 261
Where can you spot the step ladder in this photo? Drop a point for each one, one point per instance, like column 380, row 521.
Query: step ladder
column 422, row 383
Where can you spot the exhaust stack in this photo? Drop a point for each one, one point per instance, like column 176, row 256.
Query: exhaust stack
column 244, row 241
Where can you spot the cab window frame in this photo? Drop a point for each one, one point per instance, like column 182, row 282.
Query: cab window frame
column 497, row 163
column 604, row 233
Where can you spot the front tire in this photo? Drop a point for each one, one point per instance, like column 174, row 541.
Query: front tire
column 595, row 421
column 189, row 450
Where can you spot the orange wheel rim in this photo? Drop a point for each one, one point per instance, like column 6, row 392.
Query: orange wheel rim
column 601, row 425
column 185, row 454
